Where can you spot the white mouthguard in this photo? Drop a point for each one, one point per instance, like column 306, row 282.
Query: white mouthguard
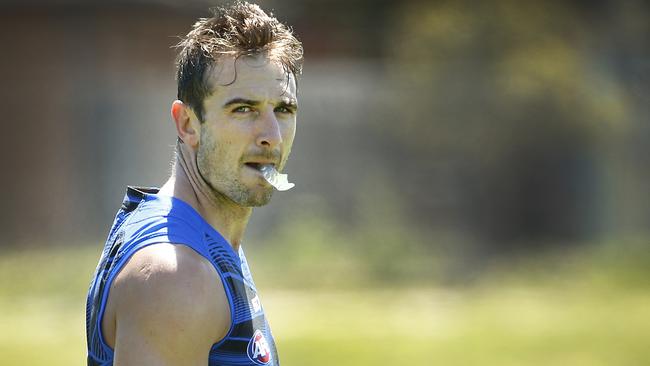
column 276, row 179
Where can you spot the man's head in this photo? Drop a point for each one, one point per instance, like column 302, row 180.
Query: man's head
column 237, row 101
column 243, row 29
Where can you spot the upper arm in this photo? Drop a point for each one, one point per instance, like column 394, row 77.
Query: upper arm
column 169, row 308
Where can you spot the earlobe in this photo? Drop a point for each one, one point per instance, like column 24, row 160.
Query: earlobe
column 186, row 123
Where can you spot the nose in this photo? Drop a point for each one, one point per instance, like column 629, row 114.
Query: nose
column 269, row 134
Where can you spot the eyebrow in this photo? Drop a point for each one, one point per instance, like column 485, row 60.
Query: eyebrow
column 240, row 101
column 290, row 103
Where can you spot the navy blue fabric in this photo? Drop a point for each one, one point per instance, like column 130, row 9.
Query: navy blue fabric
column 146, row 218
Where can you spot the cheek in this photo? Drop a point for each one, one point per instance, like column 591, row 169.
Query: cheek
column 236, row 135
column 288, row 133
column 217, row 142
column 211, row 150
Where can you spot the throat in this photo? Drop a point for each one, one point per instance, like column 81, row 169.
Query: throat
column 225, row 216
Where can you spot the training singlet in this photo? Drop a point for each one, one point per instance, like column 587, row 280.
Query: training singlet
column 146, row 218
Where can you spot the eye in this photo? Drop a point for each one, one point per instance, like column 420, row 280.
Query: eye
column 284, row 110
column 242, row 109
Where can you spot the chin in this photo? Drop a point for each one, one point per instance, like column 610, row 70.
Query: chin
column 264, row 199
column 257, row 202
column 260, row 203
column 254, row 198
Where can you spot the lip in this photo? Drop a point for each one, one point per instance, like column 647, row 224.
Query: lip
column 255, row 169
column 258, row 164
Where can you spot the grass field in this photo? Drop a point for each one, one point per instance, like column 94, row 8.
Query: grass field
column 595, row 315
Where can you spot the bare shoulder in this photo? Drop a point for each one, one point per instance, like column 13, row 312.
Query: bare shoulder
column 169, row 298
column 159, row 268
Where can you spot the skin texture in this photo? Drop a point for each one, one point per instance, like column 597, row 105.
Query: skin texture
column 165, row 307
column 249, row 118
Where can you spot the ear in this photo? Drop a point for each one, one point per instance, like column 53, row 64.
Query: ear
column 187, row 124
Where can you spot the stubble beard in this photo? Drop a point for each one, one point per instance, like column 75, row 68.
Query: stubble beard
column 224, row 183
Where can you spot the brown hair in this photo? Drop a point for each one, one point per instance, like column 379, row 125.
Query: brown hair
column 241, row 29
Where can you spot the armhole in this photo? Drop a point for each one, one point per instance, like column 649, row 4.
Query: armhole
column 122, row 262
column 231, row 301
column 226, row 288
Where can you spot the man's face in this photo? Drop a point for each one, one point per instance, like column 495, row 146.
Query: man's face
column 249, row 120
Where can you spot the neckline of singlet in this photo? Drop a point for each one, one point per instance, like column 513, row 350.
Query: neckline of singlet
column 150, row 194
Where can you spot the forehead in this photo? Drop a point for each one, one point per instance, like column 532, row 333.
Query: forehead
column 253, row 77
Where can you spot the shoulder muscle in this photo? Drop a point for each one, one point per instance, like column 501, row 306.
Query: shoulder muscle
column 169, row 306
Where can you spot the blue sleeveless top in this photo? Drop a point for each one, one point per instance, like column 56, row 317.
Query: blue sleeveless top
column 146, row 218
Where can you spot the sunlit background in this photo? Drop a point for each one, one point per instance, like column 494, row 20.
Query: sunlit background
column 472, row 177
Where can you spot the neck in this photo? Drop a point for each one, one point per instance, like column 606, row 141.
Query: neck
column 186, row 184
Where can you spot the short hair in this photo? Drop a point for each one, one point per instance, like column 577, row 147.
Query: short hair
column 240, row 29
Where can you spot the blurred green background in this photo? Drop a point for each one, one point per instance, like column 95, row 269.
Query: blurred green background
column 472, row 182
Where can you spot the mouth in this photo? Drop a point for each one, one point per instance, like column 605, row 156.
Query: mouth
column 257, row 166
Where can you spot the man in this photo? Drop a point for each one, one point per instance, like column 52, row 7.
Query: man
column 172, row 286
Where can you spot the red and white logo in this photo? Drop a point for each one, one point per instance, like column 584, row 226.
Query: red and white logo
column 258, row 349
